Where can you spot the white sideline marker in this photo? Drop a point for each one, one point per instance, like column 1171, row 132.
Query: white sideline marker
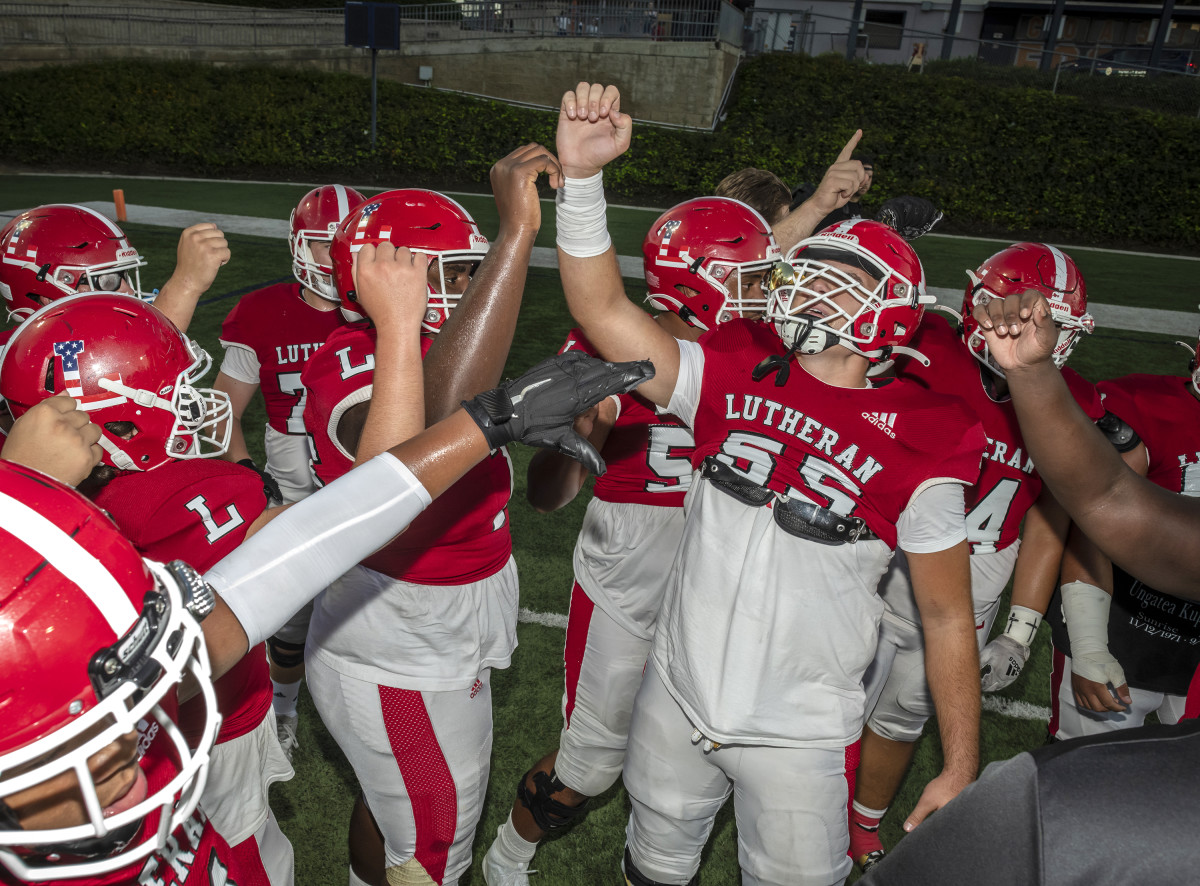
column 1181, row 323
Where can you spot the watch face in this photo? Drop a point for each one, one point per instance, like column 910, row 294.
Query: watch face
column 199, row 596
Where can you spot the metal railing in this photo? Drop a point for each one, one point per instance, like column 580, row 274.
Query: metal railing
column 70, row 24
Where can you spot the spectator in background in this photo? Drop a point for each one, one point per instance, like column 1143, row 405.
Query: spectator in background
column 759, row 189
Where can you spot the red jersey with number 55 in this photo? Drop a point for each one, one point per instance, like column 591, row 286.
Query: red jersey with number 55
column 198, row 511
column 1008, row 484
column 283, row 331
column 463, row 536
column 1166, row 415
column 862, row 452
column 648, row 453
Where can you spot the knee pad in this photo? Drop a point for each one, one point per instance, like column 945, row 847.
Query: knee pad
column 284, row 654
column 411, row 873
column 548, row 814
column 634, row 877
column 897, row 724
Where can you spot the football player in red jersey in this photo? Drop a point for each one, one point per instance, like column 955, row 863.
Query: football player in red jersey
column 98, row 784
column 401, row 648
column 1008, row 492
column 137, row 376
column 770, row 617
column 59, row 249
column 269, row 337
column 1146, row 530
column 704, row 263
column 1129, row 649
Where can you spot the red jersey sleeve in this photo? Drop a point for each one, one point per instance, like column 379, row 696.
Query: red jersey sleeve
column 339, row 376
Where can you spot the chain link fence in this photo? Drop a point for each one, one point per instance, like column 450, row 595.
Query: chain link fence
column 81, row 24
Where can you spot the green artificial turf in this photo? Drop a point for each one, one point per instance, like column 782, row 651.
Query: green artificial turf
column 314, row 807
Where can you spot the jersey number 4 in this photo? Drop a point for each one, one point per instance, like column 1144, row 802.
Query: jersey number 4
column 985, row 521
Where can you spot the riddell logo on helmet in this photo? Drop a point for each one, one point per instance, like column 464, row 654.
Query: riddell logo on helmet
column 849, row 238
column 128, row 252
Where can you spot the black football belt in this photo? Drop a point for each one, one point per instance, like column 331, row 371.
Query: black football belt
column 797, row 517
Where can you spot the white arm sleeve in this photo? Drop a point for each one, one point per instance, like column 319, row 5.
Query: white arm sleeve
column 271, row 575
column 240, row 363
column 934, row 520
column 685, row 399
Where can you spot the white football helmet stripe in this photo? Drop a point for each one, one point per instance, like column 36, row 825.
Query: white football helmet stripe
column 69, row 558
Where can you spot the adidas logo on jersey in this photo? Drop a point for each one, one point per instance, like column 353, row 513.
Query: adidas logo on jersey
column 885, row 421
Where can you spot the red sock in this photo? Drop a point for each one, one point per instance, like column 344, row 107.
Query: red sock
column 864, row 830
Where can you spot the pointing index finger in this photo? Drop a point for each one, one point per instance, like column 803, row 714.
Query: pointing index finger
column 848, row 150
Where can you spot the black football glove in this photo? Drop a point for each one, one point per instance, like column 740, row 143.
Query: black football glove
column 910, row 217
column 539, row 407
column 270, row 484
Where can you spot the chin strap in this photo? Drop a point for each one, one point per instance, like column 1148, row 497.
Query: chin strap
column 887, row 354
column 945, row 309
column 775, row 363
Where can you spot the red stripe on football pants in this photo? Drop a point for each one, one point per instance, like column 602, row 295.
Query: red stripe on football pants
column 426, row 775
column 579, row 621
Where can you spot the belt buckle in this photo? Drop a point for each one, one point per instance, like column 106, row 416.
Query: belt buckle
column 858, row 528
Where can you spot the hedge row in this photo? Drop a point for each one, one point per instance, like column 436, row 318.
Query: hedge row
column 1015, row 160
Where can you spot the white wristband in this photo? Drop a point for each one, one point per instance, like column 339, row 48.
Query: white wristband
column 1022, row 625
column 1085, row 610
column 582, row 217
column 271, row 575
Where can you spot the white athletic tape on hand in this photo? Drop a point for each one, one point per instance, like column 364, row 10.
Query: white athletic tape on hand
column 1085, row 609
column 582, row 217
column 1022, row 624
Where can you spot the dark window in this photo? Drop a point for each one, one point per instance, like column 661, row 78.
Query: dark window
column 884, row 27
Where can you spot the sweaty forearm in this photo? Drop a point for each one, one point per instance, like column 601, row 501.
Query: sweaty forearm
column 468, row 354
column 1149, row 532
column 1060, row 438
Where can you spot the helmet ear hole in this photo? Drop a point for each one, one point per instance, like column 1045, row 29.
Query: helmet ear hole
column 126, row 430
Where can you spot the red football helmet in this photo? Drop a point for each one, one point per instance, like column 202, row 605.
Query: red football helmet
column 317, row 216
column 60, row 249
column 708, row 245
column 124, row 362
column 93, row 642
column 423, row 221
column 1024, row 266
column 803, row 292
